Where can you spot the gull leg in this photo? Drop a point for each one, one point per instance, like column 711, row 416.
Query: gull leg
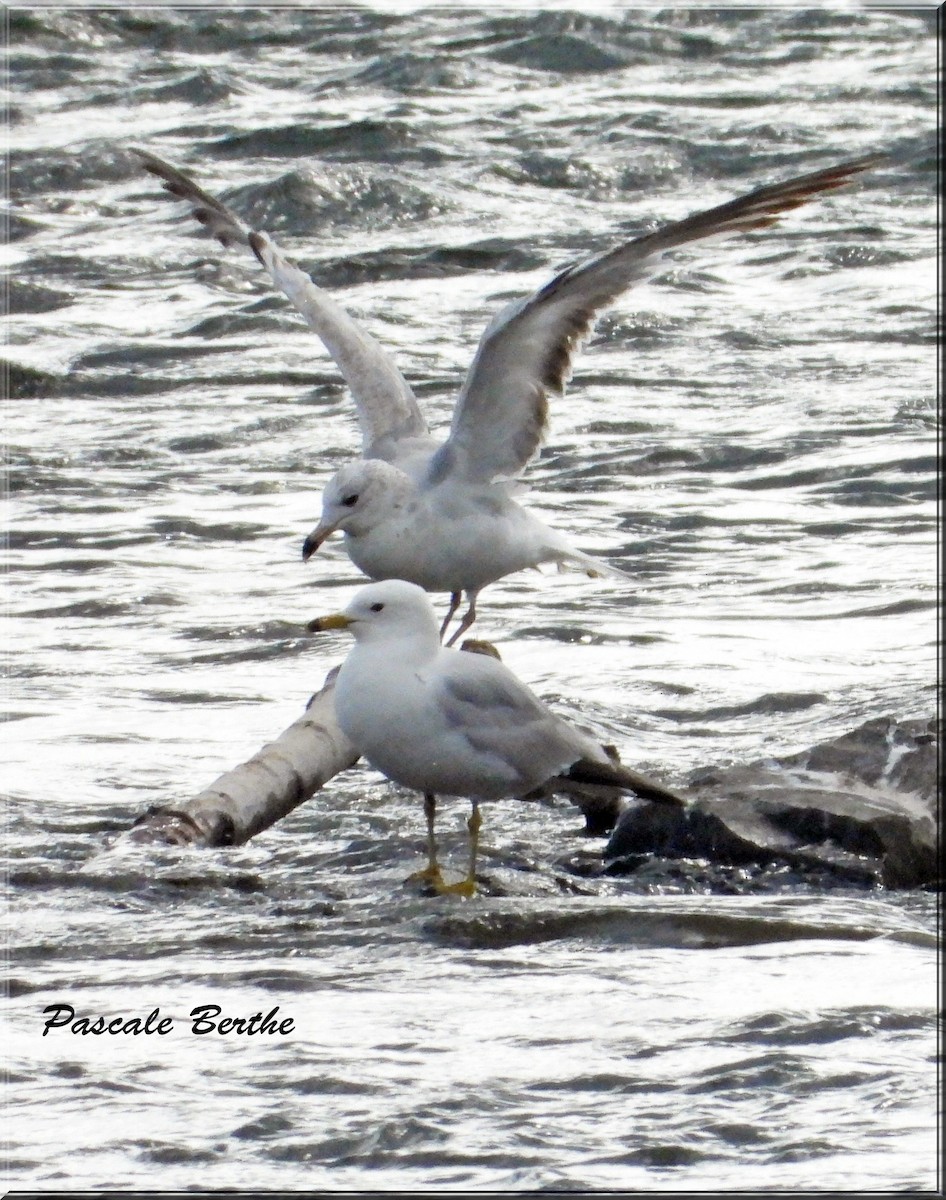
column 454, row 605
column 467, row 887
column 467, row 620
column 430, row 873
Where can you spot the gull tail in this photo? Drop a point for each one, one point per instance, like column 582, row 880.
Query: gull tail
column 596, row 568
column 615, row 774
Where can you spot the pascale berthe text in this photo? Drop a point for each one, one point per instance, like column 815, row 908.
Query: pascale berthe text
column 205, row 1018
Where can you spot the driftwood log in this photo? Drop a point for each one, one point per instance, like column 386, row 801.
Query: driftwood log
column 261, row 791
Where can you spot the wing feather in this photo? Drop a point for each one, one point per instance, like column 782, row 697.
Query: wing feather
column 213, row 214
column 388, row 412
column 526, row 352
column 499, row 717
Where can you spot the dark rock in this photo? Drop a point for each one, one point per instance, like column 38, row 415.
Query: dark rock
column 858, row 809
column 600, row 805
column 27, row 383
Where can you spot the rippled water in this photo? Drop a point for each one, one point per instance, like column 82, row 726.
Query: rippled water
column 753, row 435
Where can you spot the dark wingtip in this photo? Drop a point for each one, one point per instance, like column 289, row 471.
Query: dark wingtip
column 151, row 163
column 866, row 162
column 257, row 242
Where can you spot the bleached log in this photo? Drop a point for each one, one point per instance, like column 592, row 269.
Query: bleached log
column 259, row 792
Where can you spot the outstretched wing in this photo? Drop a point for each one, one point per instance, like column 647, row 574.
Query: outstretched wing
column 526, row 352
column 387, row 408
column 388, row 411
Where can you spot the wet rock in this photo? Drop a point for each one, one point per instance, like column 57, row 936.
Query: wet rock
column 859, row 809
column 28, row 383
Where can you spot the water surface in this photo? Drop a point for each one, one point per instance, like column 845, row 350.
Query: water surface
column 752, row 435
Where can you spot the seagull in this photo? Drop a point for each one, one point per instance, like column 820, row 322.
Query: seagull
column 441, row 513
column 447, row 722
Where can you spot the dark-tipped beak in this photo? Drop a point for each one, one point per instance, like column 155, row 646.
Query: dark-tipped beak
column 315, row 539
column 334, row 621
column 310, row 545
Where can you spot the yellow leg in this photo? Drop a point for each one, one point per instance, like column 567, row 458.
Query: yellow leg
column 466, row 887
column 430, row 873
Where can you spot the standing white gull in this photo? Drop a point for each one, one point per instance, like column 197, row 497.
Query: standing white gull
column 451, row 723
column 441, row 514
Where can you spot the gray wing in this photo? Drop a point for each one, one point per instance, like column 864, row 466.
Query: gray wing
column 502, row 413
column 387, row 408
column 499, row 717
column 388, row 411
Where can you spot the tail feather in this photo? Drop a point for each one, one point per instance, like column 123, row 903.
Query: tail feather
column 596, row 568
column 615, row 774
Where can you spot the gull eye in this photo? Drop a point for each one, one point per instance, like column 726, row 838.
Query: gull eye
column 377, row 607
column 350, row 501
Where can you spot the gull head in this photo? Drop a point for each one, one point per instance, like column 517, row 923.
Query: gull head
column 391, row 611
column 358, row 497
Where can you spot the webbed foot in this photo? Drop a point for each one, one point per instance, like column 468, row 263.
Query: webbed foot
column 464, row 887
column 430, row 874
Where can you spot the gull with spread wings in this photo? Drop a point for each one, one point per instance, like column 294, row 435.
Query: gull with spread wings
column 441, row 513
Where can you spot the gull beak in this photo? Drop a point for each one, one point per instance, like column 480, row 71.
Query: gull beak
column 334, row 621
column 315, row 539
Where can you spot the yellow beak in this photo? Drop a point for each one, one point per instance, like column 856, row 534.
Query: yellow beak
column 334, row 621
